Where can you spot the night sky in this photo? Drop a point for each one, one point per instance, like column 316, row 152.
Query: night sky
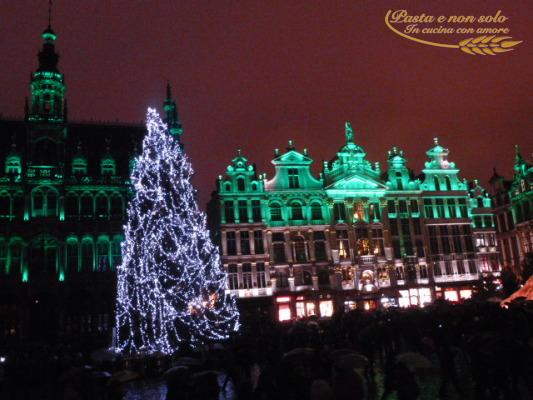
column 254, row 74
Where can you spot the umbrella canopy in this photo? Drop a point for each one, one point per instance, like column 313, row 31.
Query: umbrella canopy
column 414, row 360
column 525, row 291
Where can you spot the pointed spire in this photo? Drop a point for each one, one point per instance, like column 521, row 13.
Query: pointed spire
column 171, row 114
column 519, row 162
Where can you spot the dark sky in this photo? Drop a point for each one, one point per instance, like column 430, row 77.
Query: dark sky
column 253, row 74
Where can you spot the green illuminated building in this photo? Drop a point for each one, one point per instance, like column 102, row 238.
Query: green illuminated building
column 355, row 236
column 63, row 194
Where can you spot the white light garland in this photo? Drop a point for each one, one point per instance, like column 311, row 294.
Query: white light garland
column 170, row 288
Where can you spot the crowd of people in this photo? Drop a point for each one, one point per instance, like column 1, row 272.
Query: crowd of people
column 475, row 350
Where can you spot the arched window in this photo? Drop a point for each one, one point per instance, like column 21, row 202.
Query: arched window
column 448, row 183
column 5, row 205
column 15, row 258
column 275, row 212
column 86, row 205
column 296, row 211
column 13, row 165
column 108, row 166
column 316, row 211
column 79, row 166
column 43, row 255
column 45, row 153
column 254, row 186
column 240, row 184
column 300, row 249
column 71, row 205
column 116, row 205
column 18, row 205
column 102, row 255
column 44, row 202
column 101, row 209
column 436, row 182
column 116, row 252
column 72, row 255
column 87, row 255
column 227, row 187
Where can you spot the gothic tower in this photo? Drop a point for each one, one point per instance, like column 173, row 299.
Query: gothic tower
column 46, row 115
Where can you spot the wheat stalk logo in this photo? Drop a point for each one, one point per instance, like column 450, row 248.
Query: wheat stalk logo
column 483, row 45
column 487, row 45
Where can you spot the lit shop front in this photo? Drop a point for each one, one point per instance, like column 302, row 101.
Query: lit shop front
column 453, row 294
column 295, row 307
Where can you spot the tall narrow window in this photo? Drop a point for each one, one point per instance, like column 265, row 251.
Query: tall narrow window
column 316, row 211
column 440, row 208
column 296, row 211
column 319, row 239
column 256, row 211
column 245, row 242
column 396, row 248
column 240, row 184
column 436, row 183
column 261, row 275
column 233, row 277
column 278, row 244
column 402, row 206
column 399, row 184
column 86, row 205
column 420, row 248
column 414, row 206
column 231, row 243
column 243, row 211
column 15, row 252
column 294, row 181
column 101, row 205
column 247, row 276
column 339, row 211
column 72, row 256
column 102, row 255
column 448, row 183
column 258, row 242
column 428, row 208
column 87, row 256
column 71, row 205
column 229, row 213
column 451, row 208
column 343, row 244
column 462, row 208
column 116, row 253
column 391, row 207
column 275, row 212
column 116, row 206
column 300, row 249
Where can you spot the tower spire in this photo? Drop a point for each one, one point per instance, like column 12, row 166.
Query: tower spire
column 47, row 82
column 171, row 114
column 50, row 14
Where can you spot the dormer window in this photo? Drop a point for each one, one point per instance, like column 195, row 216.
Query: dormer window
column 294, row 180
column 240, row 184
column 108, row 166
column 79, row 166
column 13, row 165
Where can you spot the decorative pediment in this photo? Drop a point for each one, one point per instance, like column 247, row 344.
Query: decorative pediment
column 357, row 182
column 292, row 157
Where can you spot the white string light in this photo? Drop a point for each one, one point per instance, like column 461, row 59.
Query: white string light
column 170, row 288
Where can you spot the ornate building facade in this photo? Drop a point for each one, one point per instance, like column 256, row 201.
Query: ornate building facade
column 514, row 214
column 63, row 193
column 355, row 236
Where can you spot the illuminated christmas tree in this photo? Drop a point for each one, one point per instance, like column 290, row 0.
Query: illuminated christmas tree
column 170, row 283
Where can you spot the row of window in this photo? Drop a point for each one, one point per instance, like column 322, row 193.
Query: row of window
column 79, row 166
column 45, row 256
column 44, row 202
column 246, row 276
column 447, row 239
